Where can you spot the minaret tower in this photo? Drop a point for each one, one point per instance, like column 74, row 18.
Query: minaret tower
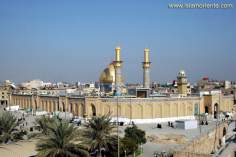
column 146, row 69
column 118, row 77
column 182, row 83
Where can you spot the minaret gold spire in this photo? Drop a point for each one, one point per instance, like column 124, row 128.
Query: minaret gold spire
column 146, row 67
column 117, row 53
column 146, row 63
column 146, row 55
column 118, row 77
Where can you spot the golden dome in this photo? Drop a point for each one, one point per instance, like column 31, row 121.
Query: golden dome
column 108, row 75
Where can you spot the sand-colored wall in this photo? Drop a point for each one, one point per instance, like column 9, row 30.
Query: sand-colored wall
column 204, row 145
column 132, row 108
column 143, row 108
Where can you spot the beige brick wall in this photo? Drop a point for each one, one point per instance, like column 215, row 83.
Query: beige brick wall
column 204, row 145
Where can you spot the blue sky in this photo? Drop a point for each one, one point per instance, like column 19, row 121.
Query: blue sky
column 74, row 40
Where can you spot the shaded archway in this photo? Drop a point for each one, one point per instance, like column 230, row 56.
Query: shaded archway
column 63, row 107
column 76, row 109
column 36, row 105
column 54, row 106
column 46, row 106
column 42, row 105
column 224, row 131
column 93, row 110
column 58, row 106
column 206, row 109
column 49, row 106
column 216, row 106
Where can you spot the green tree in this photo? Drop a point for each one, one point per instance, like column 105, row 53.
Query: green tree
column 128, row 145
column 137, row 135
column 99, row 134
column 9, row 128
column 44, row 123
column 59, row 141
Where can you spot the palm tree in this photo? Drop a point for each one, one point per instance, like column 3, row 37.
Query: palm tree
column 59, row 142
column 44, row 122
column 99, row 134
column 8, row 128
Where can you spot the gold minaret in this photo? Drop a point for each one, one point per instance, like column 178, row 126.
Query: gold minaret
column 118, row 77
column 146, row 69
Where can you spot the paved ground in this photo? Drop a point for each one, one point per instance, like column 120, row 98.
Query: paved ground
column 150, row 147
column 230, row 149
column 19, row 149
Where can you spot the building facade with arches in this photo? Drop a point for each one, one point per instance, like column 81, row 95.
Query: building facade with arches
column 141, row 110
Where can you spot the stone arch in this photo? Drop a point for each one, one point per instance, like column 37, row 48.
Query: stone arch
column 206, row 109
column 25, row 103
column 50, row 106
column 224, row 131
column 63, row 107
column 93, row 109
column 57, row 105
column 76, row 109
column 46, row 105
column 28, row 103
column 36, row 104
column 71, row 108
column 43, row 105
column 54, row 106
column 22, row 102
column 216, row 110
column 81, row 110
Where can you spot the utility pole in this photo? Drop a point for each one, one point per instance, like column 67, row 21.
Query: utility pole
column 118, row 149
